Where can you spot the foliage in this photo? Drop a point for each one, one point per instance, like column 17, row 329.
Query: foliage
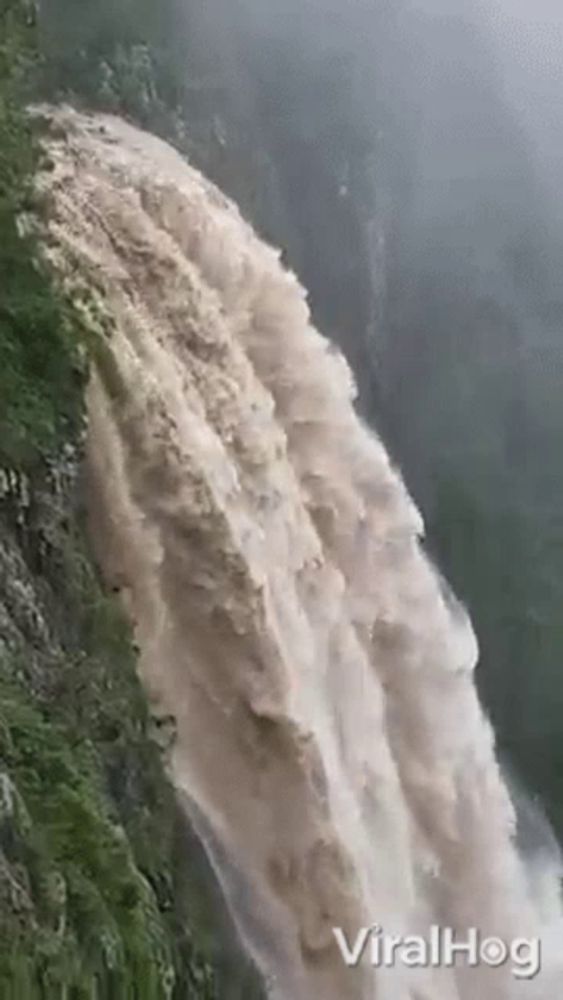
column 78, row 914
column 100, row 899
column 41, row 371
column 122, row 56
column 87, row 819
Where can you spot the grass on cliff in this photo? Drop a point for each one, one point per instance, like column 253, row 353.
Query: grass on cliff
column 80, row 917
column 41, row 371
column 92, row 844
column 88, row 822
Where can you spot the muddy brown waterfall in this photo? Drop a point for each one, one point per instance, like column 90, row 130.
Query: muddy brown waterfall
column 328, row 742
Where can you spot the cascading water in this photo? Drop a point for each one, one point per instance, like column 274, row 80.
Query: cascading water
column 329, row 745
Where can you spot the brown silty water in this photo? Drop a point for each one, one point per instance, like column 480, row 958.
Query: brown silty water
column 329, row 743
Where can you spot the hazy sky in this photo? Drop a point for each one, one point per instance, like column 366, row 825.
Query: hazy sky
column 532, row 34
column 529, row 41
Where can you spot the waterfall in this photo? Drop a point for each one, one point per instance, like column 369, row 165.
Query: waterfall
column 314, row 672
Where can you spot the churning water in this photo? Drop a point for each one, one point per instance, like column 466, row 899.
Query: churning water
column 328, row 741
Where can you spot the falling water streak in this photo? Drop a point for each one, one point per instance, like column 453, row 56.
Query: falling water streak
column 328, row 732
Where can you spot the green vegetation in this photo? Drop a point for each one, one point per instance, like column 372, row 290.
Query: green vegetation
column 78, row 914
column 40, row 369
column 121, row 56
column 104, row 892
column 88, row 823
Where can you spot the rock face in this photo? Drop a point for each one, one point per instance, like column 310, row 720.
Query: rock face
column 100, row 877
column 104, row 888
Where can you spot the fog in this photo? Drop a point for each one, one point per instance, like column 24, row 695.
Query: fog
column 472, row 363
column 529, row 40
column 416, row 149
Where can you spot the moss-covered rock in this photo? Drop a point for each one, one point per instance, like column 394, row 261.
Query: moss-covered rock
column 105, row 892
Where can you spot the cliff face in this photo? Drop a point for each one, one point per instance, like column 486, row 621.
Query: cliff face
column 87, row 820
column 104, row 889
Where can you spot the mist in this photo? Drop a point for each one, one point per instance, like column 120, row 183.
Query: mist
column 473, row 356
column 410, row 159
column 529, row 39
